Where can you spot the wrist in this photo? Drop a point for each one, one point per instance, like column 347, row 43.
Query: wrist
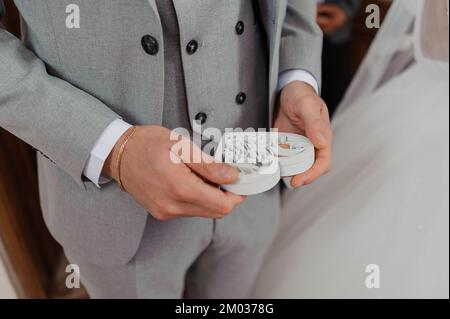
column 301, row 88
column 111, row 169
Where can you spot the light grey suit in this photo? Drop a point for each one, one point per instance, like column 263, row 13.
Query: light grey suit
column 61, row 87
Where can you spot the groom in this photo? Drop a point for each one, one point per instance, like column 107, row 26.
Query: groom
column 95, row 87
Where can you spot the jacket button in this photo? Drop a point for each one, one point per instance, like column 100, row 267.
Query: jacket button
column 201, row 117
column 150, row 44
column 239, row 27
column 192, row 47
column 241, row 97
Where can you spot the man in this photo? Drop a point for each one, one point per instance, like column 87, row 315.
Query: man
column 335, row 19
column 73, row 93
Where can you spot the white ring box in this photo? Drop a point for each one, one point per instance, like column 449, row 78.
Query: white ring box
column 296, row 154
column 262, row 158
column 254, row 155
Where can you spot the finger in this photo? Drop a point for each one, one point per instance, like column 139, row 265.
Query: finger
column 205, row 165
column 325, row 116
column 180, row 209
column 195, row 191
column 194, row 210
column 217, row 173
column 315, row 126
column 321, row 167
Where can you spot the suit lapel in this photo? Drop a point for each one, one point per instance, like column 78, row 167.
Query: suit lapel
column 272, row 15
column 152, row 4
column 271, row 12
column 278, row 17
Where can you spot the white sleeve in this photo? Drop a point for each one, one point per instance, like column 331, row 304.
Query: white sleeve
column 286, row 77
column 100, row 151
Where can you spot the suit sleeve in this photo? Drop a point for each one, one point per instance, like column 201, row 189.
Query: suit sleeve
column 58, row 119
column 301, row 39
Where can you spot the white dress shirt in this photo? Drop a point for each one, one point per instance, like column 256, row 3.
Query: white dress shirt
column 112, row 133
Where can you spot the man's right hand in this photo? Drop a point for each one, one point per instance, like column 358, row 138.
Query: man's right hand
column 168, row 189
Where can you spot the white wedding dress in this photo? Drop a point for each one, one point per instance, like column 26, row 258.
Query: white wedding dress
column 386, row 201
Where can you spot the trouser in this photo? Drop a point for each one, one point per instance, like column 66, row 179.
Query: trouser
column 192, row 257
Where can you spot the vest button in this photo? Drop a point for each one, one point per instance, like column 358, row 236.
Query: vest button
column 240, row 98
column 192, row 47
column 239, row 28
column 201, row 117
column 150, row 44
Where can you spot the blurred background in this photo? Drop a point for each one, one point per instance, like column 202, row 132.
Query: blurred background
column 32, row 264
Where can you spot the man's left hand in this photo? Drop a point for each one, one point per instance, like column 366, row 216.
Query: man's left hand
column 300, row 110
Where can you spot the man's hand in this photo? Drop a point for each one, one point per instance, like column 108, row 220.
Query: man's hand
column 300, row 110
column 330, row 18
column 168, row 189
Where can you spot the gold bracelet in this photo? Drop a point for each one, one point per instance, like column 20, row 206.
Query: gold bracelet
column 120, row 155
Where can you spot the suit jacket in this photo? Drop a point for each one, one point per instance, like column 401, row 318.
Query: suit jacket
column 61, row 87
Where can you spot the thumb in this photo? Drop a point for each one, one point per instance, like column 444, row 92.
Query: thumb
column 217, row 173
column 204, row 165
column 315, row 129
column 317, row 136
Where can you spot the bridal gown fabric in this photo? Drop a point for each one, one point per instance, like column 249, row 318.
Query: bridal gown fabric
column 384, row 208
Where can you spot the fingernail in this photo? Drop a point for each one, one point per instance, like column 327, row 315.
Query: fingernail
column 298, row 184
column 225, row 172
column 321, row 137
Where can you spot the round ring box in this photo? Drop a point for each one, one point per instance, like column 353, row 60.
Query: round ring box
column 252, row 184
column 275, row 156
column 254, row 155
column 296, row 154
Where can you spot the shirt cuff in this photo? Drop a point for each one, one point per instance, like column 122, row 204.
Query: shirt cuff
column 289, row 76
column 102, row 149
